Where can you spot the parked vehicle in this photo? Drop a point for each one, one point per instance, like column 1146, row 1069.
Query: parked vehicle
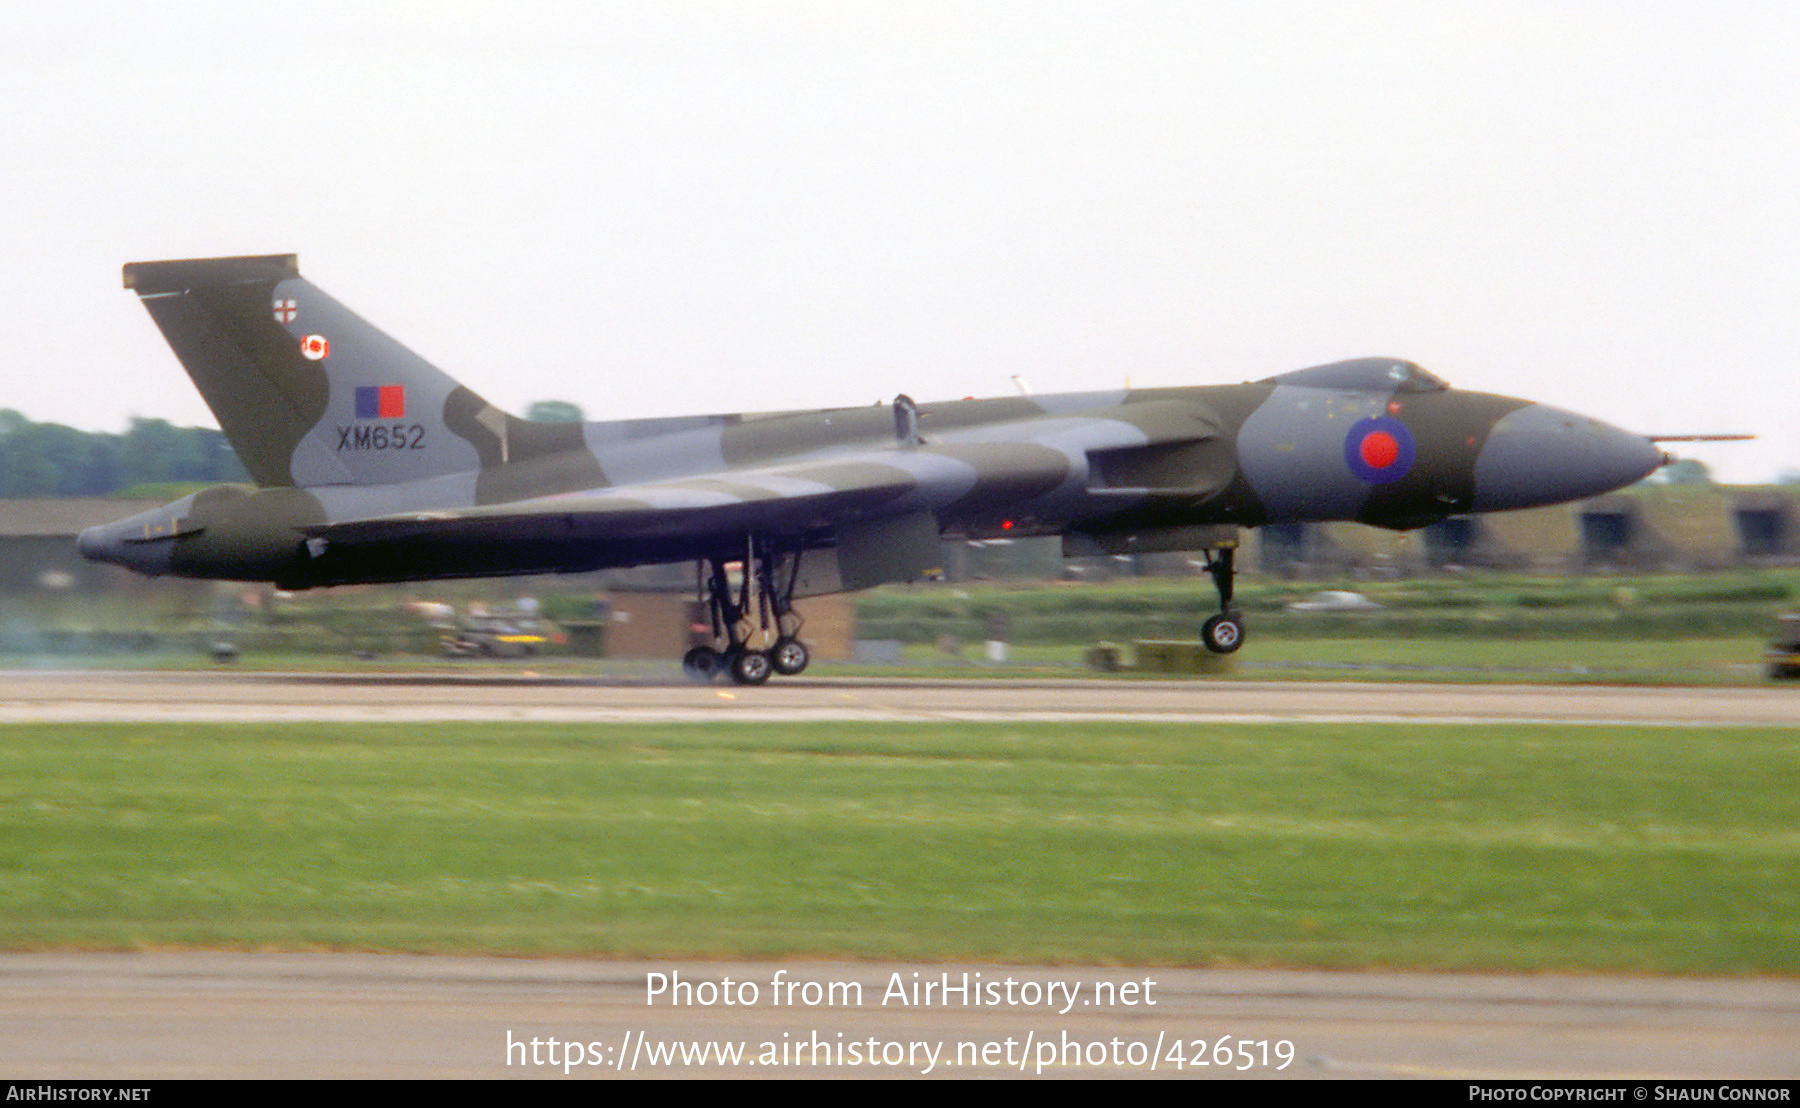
column 1783, row 655
column 496, row 637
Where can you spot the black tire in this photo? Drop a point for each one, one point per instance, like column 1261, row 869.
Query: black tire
column 789, row 656
column 1223, row 634
column 701, row 664
column 751, row 667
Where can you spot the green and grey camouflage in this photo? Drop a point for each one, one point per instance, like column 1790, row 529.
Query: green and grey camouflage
column 373, row 465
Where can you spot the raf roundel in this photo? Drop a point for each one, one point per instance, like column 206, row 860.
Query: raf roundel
column 1379, row 450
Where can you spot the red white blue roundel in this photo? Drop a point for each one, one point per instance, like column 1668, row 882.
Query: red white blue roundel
column 1379, row 450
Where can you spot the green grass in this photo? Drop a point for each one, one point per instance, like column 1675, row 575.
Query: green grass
column 1506, row 847
column 1718, row 660
column 1473, row 607
column 1704, row 660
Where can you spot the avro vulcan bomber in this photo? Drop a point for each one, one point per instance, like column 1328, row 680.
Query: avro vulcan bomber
column 372, row 465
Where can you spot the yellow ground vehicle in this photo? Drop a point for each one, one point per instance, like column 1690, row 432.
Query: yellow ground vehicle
column 496, row 637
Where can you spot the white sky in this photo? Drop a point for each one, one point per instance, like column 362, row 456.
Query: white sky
column 662, row 208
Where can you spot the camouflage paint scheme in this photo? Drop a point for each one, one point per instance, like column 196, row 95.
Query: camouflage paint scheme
column 373, row 465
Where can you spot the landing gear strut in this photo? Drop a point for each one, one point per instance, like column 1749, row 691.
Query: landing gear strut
column 759, row 609
column 1223, row 633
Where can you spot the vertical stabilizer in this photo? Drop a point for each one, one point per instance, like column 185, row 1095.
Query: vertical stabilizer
column 307, row 392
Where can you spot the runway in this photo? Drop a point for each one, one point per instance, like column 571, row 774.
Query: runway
column 378, row 696
column 123, row 1016
column 160, row 1015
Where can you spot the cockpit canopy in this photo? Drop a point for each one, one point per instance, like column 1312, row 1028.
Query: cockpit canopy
column 1364, row 375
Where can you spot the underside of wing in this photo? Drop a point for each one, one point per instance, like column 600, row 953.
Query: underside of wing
column 637, row 525
column 787, row 501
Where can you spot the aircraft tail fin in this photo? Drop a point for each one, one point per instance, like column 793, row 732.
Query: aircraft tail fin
column 307, row 392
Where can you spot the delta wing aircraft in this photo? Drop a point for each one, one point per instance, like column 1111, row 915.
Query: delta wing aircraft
column 371, row 465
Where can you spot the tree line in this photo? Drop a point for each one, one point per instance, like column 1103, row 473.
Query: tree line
column 49, row 459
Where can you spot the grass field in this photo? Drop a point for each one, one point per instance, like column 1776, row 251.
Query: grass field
column 1713, row 660
column 1457, row 608
column 1505, row 847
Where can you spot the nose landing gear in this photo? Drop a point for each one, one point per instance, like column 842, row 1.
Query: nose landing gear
column 1223, row 633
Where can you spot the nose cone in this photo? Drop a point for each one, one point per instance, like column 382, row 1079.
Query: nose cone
column 1541, row 455
column 92, row 544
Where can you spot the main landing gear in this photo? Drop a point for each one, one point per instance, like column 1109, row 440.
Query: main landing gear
column 755, row 618
column 1223, row 633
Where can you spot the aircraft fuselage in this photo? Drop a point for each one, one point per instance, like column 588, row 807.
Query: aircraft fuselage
column 1099, row 463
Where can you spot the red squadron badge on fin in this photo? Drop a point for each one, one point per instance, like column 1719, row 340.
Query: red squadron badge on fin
column 315, row 347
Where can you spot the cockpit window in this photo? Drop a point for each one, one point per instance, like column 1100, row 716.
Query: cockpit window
column 1365, row 375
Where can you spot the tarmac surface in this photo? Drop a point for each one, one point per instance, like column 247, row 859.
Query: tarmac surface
column 385, row 695
column 124, row 1016
column 198, row 1015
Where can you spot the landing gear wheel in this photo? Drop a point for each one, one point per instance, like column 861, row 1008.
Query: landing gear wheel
column 701, row 664
column 1224, row 633
column 789, row 656
column 758, row 606
column 750, row 667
